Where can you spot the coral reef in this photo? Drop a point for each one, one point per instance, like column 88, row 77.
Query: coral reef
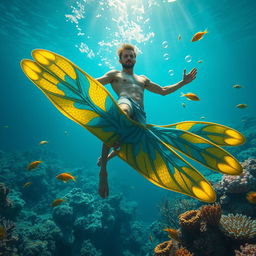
column 164, row 249
column 238, row 226
column 246, row 250
column 190, row 220
column 8, row 239
column 183, row 252
column 211, row 214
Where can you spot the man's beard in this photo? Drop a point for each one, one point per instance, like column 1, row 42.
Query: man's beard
column 127, row 66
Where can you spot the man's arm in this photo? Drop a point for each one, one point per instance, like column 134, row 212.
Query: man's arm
column 107, row 78
column 187, row 78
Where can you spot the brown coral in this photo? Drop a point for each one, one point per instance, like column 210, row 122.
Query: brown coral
column 211, row 214
column 190, row 219
column 164, row 249
column 246, row 250
column 183, row 252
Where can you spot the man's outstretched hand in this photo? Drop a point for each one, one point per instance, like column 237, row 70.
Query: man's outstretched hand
column 187, row 78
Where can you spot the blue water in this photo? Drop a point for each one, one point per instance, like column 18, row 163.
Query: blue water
column 89, row 33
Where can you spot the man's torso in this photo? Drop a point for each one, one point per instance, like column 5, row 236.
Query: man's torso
column 129, row 86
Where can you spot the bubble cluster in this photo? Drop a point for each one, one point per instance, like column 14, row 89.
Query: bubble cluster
column 166, row 56
column 170, row 72
column 165, row 44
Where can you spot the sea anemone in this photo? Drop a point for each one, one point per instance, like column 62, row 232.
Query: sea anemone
column 211, row 214
column 164, row 249
column 238, row 226
column 183, row 252
column 190, row 219
column 246, row 250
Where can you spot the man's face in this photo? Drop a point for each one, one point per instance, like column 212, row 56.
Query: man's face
column 128, row 59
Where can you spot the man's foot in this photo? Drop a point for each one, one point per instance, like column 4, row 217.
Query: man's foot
column 103, row 184
column 99, row 161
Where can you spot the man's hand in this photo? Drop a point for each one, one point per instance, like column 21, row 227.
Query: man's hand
column 187, row 78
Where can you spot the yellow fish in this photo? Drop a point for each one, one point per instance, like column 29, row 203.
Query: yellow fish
column 241, row 105
column 190, row 96
column 237, row 86
column 198, row 36
column 199, row 61
column 57, row 202
column 179, row 37
column 33, row 165
column 173, row 233
column 65, row 177
column 43, row 142
column 27, row 184
column 251, row 197
column 2, row 232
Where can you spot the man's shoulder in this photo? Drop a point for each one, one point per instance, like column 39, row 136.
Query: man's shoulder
column 112, row 73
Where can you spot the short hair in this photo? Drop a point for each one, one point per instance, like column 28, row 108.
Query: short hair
column 125, row 47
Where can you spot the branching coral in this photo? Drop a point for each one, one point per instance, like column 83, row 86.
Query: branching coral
column 7, row 240
column 211, row 214
column 183, row 252
column 238, row 226
column 164, row 249
column 190, row 219
column 246, row 250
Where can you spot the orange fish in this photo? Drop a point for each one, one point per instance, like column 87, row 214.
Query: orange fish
column 190, row 96
column 33, row 165
column 57, row 202
column 241, row 105
column 251, row 197
column 27, row 184
column 43, row 142
column 2, row 232
column 65, row 177
column 173, row 233
column 198, row 36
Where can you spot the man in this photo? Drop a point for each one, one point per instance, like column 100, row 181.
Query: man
column 130, row 90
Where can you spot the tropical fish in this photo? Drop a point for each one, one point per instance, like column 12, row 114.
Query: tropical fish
column 179, row 37
column 2, row 232
column 241, row 105
column 43, row 142
column 183, row 104
column 27, row 184
column 57, row 202
column 33, row 165
column 65, row 177
column 190, row 96
column 199, row 61
column 151, row 238
column 173, row 233
column 198, row 36
column 237, row 86
column 251, row 197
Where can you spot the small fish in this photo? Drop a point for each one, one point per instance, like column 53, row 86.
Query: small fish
column 202, row 117
column 190, row 96
column 198, row 36
column 199, row 61
column 173, row 233
column 179, row 37
column 33, row 165
column 251, row 197
column 65, row 177
column 151, row 238
column 65, row 132
column 57, row 202
column 43, row 142
column 237, row 86
column 6, row 126
column 183, row 104
column 3, row 233
column 241, row 105
column 27, row 184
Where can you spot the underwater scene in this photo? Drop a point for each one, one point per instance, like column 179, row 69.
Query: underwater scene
column 128, row 128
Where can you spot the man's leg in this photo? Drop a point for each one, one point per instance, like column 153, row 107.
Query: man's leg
column 103, row 183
